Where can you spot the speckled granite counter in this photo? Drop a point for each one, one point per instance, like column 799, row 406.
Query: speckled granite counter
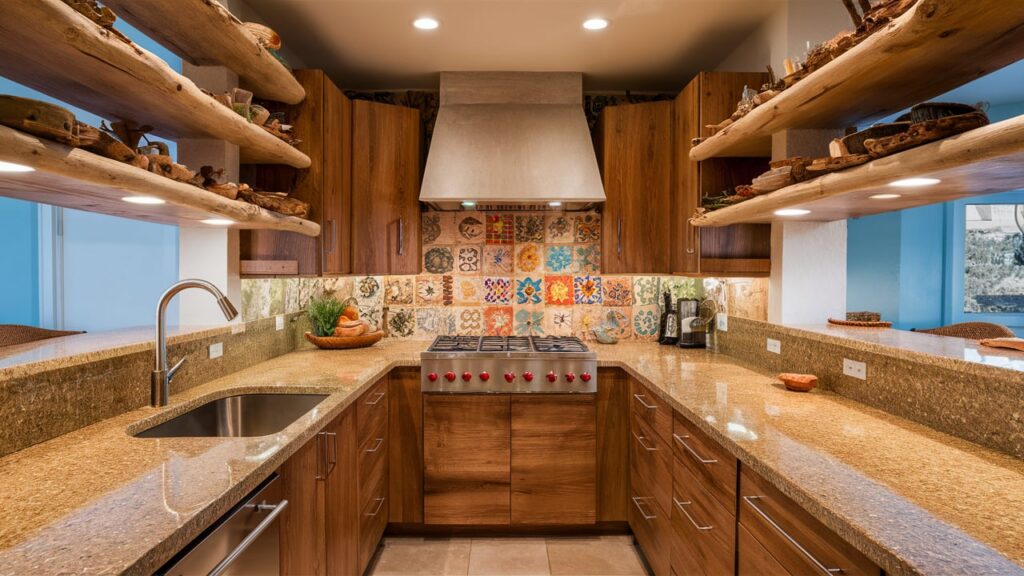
column 914, row 500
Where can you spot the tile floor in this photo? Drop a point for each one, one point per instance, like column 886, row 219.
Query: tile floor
column 576, row 556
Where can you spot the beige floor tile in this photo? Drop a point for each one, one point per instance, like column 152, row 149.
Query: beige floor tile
column 423, row 557
column 598, row 556
column 509, row 557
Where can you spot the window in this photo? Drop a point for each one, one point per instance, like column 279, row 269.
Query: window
column 994, row 258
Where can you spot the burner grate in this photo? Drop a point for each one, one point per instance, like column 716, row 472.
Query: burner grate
column 455, row 344
column 557, row 344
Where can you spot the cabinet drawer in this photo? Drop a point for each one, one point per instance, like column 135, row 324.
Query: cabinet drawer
column 654, row 411
column 704, row 531
column 372, row 412
column 754, row 560
column 709, row 463
column 799, row 542
column 372, row 464
column 651, row 465
column 653, row 532
column 373, row 519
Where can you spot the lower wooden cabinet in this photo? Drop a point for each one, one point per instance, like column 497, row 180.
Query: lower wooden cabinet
column 653, row 532
column 703, row 531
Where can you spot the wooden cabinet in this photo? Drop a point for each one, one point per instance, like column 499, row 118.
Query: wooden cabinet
column 324, row 124
column 703, row 530
column 650, row 476
column 405, row 455
column 612, row 445
column 740, row 250
column 386, row 170
column 371, row 465
column 635, row 154
column 706, row 461
column 303, row 537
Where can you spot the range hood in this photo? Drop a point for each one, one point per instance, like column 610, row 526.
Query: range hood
column 511, row 140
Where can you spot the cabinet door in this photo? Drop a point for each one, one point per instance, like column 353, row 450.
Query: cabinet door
column 342, row 526
column 554, row 459
column 336, row 225
column 303, row 545
column 612, row 445
column 636, row 168
column 405, row 435
column 686, row 181
column 385, row 188
column 466, row 459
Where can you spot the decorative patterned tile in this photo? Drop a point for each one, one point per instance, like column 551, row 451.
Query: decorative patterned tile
column 585, row 319
column 276, row 301
column 431, row 322
column 469, row 321
column 429, row 290
column 340, row 287
column 497, row 290
column 528, row 258
column 588, row 258
column 251, row 293
column 645, row 322
column 588, row 227
column 399, row 290
column 402, row 322
column 469, row 259
column 618, row 291
column 558, row 321
column 529, row 290
column 558, row 229
column 500, row 228
column 621, row 316
column 680, row 287
column 529, row 227
column 447, row 290
column 438, row 260
column 369, row 289
column 498, row 320
column 309, row 288
column 529, row 322
column 645, row 290
column 587, row 289
column 467, row 290
column 291, row 295
column 372, row 313
column 498, row 260
column 558, row 290
column 558, row 259
column 430, row 227
column 469, row 227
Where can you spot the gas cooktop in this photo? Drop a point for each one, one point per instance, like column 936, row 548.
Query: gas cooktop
column 552, row 344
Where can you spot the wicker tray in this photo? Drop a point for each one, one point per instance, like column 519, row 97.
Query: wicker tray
column 345, row 342
column 860, row 323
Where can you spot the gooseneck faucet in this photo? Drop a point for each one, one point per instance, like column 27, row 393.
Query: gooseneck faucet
column 160, row 380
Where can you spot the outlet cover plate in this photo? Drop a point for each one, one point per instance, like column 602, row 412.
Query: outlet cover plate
column 723, row 322
column 855, row 369
column 279, row 321
column 216, row 350
column 774, row 346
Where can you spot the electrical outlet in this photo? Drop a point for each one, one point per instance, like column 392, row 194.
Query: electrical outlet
column 216, row 350
column 855, row 369
column 279, row 322
column 723, row 321
column 774, row 346
column 237, row 328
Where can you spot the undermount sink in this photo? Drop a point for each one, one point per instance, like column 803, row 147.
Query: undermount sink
column 237, row 416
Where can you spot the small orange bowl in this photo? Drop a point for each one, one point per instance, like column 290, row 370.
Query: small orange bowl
column 799, row 382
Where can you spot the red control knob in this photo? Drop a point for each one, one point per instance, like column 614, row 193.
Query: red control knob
column 485, row 376
column 467, row 376
column 585, row 376
column 510, row 377
column 569, row 377
column 528, row 376
column 552, row 376
column 432, row 376
column 449, row 376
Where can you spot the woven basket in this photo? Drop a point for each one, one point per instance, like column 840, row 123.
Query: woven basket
column 344, row 342
column 860, row 323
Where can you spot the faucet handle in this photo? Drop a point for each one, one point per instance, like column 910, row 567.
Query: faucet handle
column 173, row 369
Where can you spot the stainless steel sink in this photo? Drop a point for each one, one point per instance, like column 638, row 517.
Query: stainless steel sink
column 237, row 416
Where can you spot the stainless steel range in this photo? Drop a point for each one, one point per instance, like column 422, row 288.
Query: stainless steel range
column 513, row 364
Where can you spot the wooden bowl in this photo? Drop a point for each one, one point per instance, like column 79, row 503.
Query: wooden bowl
column 855, row 142
column 799, row 382
column 343, row 342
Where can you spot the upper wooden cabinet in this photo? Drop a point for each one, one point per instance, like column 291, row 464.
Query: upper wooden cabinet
column 386, row 169
column 740, row 250
column 634, row 143
column 324, row 123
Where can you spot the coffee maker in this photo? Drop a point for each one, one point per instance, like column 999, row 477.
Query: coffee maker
column 695, row 318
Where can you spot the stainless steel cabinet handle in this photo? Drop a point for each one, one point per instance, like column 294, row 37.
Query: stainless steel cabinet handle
column 401, row 236
column 380, row 504
column 376, row 446
column 824, row 569
column 332, row 459
column 636, row 502
column 692, row 452
column 618, row 232
column 275, row 511
column 640, row 440
column 681, row 506
column 379, row 396
column 640, row 399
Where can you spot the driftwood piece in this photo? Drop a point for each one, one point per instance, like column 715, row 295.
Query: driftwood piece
column 925, row 132
column 279, row 203
column 39, row 119
column 773, row 180
column 100, row 142
column 822, row 166
column 129, row 132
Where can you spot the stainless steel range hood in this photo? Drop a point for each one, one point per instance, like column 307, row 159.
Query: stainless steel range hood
column 511, row 140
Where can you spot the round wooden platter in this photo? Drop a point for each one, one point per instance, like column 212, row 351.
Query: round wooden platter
column 860, row 323
column 345, row 342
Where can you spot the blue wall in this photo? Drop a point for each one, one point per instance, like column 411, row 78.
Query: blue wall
column 19, row 261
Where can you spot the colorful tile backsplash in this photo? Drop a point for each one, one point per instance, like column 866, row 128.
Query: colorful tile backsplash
column 504, row 274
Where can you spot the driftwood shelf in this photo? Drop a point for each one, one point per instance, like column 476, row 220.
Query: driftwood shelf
column 205, row 34
column 54, row 49
column 983, row 161
column 75, row 178
column 935, row 47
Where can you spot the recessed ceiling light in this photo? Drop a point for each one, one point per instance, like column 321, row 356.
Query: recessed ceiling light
column 792, row 212
column 595, row 24
column 12, row 167
column 143, row 200
column 554, row 204
column 426, row 23
column 885, row 196
column 218, row 222
column 914, row 182
column 468, row 204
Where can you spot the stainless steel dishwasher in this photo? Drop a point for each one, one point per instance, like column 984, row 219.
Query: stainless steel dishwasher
column 245, row 541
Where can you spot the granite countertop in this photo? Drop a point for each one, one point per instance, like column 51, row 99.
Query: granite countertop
column 914, row 500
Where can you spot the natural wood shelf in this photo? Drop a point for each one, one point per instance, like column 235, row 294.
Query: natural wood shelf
column 935, row 47
column 205, row 33
column 983, row 161
column 75, row 178
column 54, row 49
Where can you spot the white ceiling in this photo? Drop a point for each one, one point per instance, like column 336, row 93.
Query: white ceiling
column 650, row 44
